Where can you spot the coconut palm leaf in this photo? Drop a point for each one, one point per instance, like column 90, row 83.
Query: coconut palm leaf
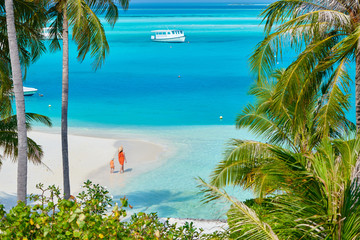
column 238, row 167
column 342, row 50
column 30, row 17
column 240, row 215
column 301, row 69
column 88, row 32
column 9, row 140
column 351, row 209
column 335, row 100
column 264, row 57
column 284, row 10
column 318, row 201
column 56, row 24
column 259, row 123
column 108, row 6
column 307, row 23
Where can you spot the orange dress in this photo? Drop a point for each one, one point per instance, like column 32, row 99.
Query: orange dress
column 121, row 158
column 112, row 164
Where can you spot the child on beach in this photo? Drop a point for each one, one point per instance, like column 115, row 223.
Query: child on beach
column 112, row 166
column 122, row 158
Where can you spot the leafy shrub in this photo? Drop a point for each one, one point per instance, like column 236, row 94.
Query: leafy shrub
column 91, row 215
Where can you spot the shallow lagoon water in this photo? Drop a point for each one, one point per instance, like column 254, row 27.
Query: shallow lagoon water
column 170, row 187
column 138, row 93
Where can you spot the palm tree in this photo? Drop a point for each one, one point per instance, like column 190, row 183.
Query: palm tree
column 8, row 137
column 20, row 102
column 326, row 33
column 28, row 18
column 89, row 35
column 314, row 110
column 303, row 169
column 320, row 202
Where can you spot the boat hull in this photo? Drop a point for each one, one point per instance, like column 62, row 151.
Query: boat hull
column 29, row 91
column 170, row 40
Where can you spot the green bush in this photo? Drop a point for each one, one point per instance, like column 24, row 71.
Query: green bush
column 91, row 215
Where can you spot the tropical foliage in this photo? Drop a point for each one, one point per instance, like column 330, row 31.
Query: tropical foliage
column 324, row 33
column 29, row 17
column 81, row 218
column 9, row 141
column 86, row 27
column 319, row 200
column 312, row 112
column 303, row 169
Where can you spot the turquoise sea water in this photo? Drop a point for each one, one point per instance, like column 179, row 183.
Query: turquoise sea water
column 139, row 89
column 139, row 84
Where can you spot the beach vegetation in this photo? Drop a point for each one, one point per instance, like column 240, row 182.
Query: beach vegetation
column 324, row 34
column 319, row 199
column 312, row 112
column 89, row 35
column 303, row 168
column 90, row 215
column 19, row 45
column 9, row 137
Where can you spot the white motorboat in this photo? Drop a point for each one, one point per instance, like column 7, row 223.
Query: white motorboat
column 173, row 36
column 28, row 91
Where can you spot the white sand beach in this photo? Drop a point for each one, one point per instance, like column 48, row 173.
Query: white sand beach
column 89, row 159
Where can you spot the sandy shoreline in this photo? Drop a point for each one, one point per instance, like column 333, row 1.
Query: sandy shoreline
column 89, row 159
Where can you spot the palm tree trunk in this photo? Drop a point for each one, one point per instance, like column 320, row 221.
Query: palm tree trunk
column 64, row 106
column 356, row 177
column 357, row 89
column 19, row 102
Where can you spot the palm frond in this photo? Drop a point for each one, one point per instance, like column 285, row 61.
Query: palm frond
column 109, row 7
column 240, row 215
column 343, row 49
column 56, row 25
column 263, row 60
column 88, row 32
column 240, row 161
column 259, row 122
column 8, row 137
column 300, row 70
column 9, row 142
column 336, row 101
column 283, row 10
column 34, row 117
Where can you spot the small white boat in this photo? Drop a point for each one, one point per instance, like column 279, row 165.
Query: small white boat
column 174, row 36
column 28, row 91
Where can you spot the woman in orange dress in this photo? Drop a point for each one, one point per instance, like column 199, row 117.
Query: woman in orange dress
column 122, row 158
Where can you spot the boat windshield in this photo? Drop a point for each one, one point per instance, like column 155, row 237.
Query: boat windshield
column 167, row 32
